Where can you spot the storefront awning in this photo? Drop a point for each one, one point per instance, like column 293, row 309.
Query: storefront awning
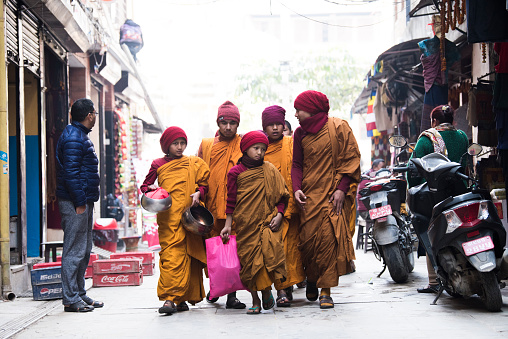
column 398, row 63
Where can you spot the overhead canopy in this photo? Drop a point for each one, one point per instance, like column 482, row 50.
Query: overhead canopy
column 400, row 63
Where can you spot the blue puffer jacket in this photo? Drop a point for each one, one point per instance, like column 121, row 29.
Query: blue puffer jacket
column 77, row 166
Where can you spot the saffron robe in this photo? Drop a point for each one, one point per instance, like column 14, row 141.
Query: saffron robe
column 182, row 255
column 220, row 156
column 325, row 237
column 280, row 154
column 261, row 251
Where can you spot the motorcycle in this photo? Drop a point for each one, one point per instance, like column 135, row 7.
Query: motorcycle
column 458, row 226
column 391, row 231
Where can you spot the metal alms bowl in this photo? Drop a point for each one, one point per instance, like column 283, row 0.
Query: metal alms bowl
column 197, row 220
column 156, row 205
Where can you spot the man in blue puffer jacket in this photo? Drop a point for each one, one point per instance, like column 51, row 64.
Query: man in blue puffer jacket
column 77, row 190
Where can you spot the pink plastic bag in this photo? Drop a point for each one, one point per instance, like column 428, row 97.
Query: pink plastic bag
column 159, row 193
column 223, row 266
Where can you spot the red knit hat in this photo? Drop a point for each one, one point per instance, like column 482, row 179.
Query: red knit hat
column 312, row 102
column 171, row 134
column 228, row 111
column 273, row 115
column 252, row 138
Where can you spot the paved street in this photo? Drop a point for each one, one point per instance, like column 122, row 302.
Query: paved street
column 364, row 306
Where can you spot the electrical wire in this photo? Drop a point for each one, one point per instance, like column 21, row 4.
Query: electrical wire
column 344, row 26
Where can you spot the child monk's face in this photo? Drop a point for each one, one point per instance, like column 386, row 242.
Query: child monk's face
column 274, row 131
column 177, row 147
column 257, row 151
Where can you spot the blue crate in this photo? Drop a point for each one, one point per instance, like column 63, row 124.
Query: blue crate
column 47, row 291
column 50, row 275
column 47, row 283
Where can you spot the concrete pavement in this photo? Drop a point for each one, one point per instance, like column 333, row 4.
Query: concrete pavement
column 364, row 306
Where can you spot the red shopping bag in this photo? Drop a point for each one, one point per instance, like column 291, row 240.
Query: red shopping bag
column 223, row 266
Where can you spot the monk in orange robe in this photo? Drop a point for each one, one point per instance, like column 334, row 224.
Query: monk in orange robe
column 221, row 154
column 325, row 174
column 257, row 197
column 182, row 254
column 280, row 154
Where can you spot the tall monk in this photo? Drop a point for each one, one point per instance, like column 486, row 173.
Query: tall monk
column 221, row 154
column 325, row 174
column 182, row 254
column 280, row 154
column 257, row 198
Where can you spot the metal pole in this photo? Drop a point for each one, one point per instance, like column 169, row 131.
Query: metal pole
column 5, row 251
column 148, row 101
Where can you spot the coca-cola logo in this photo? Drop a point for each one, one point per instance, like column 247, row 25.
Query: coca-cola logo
column 107, row 279
column 47, row 291
column 115, row 267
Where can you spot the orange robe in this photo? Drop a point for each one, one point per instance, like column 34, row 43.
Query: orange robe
column 220, row 156
column 182, row 255
column 280, row 154
column 326, row 238
column 261, row 251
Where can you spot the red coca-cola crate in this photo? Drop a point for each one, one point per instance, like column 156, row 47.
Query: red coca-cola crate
column 118, row 279
column 89, row 270
column 117, row 266
column 148, row 259
column 145, row 257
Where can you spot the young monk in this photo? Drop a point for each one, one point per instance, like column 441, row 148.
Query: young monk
column 257, row 197
column 182, row 255
column 325, row 174
column 280, row 154
column 221, row 154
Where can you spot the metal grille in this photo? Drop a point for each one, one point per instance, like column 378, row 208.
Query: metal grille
column 31, row 46
column 11, row 29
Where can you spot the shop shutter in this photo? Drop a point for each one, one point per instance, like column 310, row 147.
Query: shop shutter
column 11, row 29
column 31, row 45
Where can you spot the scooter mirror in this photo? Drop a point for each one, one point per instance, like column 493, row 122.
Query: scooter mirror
column 397, row 141
column 474, row 149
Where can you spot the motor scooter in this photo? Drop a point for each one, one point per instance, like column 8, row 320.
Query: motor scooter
column 391, row 235
column 458, row 226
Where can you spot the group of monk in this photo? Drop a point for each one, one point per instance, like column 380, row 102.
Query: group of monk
column 290, row 201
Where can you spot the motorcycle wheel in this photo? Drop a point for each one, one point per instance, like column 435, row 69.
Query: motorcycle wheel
column 395, row 262
column 490, row 292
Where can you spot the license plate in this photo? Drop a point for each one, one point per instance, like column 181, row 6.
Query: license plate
column 478, row 245
column 379, row 212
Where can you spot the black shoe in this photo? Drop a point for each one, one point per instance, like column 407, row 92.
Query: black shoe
column 213, row 300
column 79, row 306
column 91, row 302
column 311, row 291
column 168, row 307
column 428, row 289
column 235, row 304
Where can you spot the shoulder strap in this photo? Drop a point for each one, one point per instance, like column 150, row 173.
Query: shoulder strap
column 437, row 141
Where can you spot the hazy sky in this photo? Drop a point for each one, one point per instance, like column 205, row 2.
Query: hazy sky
column 193, row 51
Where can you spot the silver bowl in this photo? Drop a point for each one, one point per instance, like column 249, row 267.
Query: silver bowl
column 156, row 205
column 197, row 220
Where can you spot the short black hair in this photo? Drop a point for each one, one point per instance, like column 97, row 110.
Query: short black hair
column 377, row 162
column 288, row 125
column 81, row 108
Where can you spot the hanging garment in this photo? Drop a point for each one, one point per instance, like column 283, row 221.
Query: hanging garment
column 437, row 95
column 487, row 21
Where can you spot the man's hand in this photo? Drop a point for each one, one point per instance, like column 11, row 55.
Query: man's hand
column 300, row 199
column 337, row 199
column 195, row 198
column 152, row 187
column 80, row 209
column 276, row 222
